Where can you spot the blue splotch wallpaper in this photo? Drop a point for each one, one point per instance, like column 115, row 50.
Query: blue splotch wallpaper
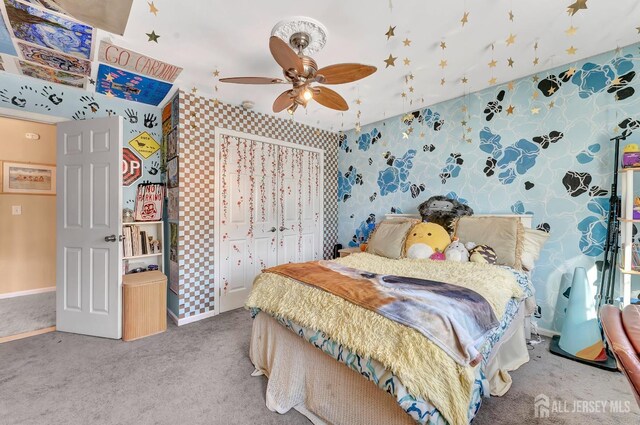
column 33, row 95
column 540, row 145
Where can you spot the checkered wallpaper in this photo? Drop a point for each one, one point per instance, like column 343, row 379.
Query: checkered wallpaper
column 198, row 119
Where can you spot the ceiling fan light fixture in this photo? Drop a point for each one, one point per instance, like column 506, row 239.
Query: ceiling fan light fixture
column 307, row 95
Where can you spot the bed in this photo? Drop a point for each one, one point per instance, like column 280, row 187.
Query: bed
column 338, row 364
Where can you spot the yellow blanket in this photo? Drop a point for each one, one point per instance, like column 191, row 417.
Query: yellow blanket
column 424, row 369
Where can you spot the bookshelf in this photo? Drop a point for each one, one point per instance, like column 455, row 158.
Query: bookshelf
column 138, row 254
column 628, row 262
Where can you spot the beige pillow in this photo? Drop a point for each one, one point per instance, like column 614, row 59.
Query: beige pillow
column 504, row 234
column 533, row 242
column 388, row 238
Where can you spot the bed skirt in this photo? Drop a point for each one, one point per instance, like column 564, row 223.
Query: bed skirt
column 330, row 393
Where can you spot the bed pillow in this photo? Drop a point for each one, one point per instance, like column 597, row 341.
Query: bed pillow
column 387, row 240
column 533, row 242
column 504, row 234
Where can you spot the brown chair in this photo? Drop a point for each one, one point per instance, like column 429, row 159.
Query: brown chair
column 622, row 330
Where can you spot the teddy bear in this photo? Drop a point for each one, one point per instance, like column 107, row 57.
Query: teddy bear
column 425, row 239
column 443, row 211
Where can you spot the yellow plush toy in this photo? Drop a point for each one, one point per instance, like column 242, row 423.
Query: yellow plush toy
column 425, row 239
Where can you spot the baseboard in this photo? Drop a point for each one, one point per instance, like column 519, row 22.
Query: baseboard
column 29, row 292
column 547, row 332
column 173, row 317
column 196, row 317
column 27, row 334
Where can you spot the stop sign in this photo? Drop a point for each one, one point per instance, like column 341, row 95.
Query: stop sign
column 131, row 167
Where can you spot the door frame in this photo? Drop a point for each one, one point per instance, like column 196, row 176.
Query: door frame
column 219, row 132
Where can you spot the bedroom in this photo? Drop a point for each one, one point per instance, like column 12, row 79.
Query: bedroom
column 510, row 111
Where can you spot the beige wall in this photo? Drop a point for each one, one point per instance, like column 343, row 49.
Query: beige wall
column 27, row 241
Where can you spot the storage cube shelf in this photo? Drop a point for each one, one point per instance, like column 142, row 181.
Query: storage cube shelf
column 155, row 229
column 626, row 232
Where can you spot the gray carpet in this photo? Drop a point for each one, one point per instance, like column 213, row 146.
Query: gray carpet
column 27, row 313
column 200, row 374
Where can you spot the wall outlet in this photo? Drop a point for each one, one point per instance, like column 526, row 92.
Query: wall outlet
column 16, row 210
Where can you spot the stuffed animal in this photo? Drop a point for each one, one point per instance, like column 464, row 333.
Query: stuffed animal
column 443, row 211
column 438, row 256
column 424, row 239
column 483, row 254
column 457, row 251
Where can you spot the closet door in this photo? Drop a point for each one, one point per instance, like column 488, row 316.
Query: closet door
column 248, row 208
column 299, row 192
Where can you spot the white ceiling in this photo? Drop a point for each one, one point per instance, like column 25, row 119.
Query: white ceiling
column 232, row 37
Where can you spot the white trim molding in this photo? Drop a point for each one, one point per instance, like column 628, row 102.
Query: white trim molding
column 194, row 318
column 29, row 292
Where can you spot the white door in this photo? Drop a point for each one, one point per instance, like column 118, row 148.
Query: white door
column 299, row 226
column 248, row 232
column 270, row 210
column 89, row 208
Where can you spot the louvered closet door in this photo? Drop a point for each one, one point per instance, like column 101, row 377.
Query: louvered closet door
column 299, row 192
column 248, row 221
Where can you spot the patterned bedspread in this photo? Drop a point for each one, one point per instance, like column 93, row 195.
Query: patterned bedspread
column 419, row 409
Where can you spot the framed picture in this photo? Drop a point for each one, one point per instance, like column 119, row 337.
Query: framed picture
column 31, row 179
column 172, row 173
column 172, row 143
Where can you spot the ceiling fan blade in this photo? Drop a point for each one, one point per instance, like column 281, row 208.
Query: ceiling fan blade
column 283, row 101
column 327, row 97
column 345, row 73
column 252, row 80
column 284, row 55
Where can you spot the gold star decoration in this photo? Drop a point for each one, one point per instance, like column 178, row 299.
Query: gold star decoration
column 535, row 95
column 464, row 80
column 407, row 42
column 443, row 45
column 510, row 62
column 511, row 16
column 511, row 39
column 615, row 81
column 405, row 135
column 463, row 123
column 422, row 134
column 403, row 94
column 152, row 8
column 407, row 117
column 571, row 50
column 551, row 91
column 465, row 18
column 535, row 78
column 493, row 81
column 443, row 63
column 469, row 129
column 358, row 128
column 109, row 77
column 510, row 86
column 409, row 130
column 411, row 75
column 510, row 109
column 152, row 36
column 536, row 60
column 493, row 63
column 571, row 31
column 573, row 8
column 390, row 61
column 194, row 89
column 109, row 93
column 407, row 61
column 464, row 108
column 216, row 102
column 358, row 101
column 442, row 81
column 551, row 104
column 571, row 71
column 535, row 111
column 216, row 73
column 411, row 89
column 390, row 33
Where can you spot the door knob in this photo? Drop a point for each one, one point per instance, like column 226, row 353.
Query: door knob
column 112, row 238
column 282, row 228
column 273, row 229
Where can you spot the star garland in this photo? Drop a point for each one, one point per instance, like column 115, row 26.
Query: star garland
column 152, row 36
column 573, row 8
column 492, row 65
column 536, row 59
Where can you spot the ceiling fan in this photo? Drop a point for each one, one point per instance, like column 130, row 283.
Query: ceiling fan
column 302, row 71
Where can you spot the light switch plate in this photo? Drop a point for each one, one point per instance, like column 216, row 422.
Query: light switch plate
column 16, row 209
